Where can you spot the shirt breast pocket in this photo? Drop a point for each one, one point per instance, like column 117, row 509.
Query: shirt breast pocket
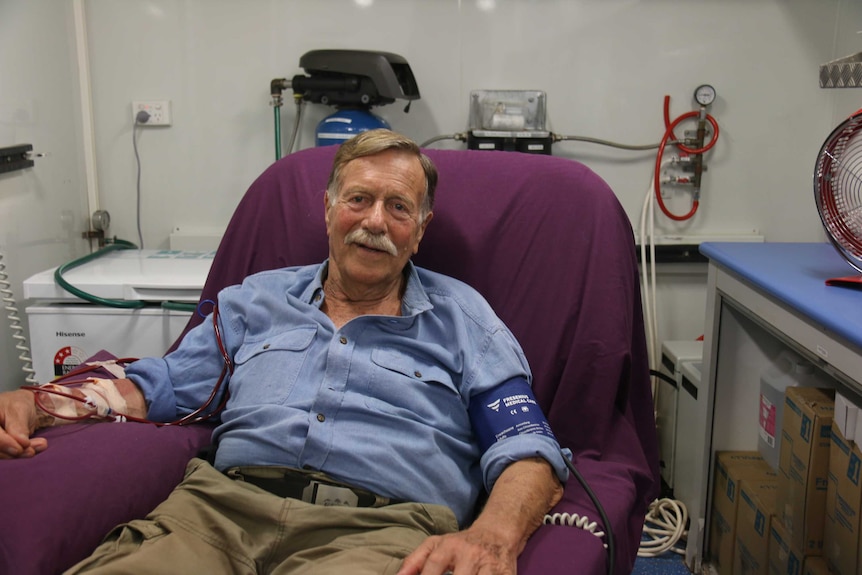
column 266, row 370
column 404, row 385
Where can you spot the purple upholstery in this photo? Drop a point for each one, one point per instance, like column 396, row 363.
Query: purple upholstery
column 547, row 243
column 56, row 507
column 545, row 240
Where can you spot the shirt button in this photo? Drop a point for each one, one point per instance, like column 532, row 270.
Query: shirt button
column 342, row 339
column 321, row 418
column 417, row 373
column 266, row 346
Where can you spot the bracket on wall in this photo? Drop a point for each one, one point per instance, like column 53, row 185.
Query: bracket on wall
column 15, row 158
column 675, row 254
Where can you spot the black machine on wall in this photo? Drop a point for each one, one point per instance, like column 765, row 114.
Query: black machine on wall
column 352, row 81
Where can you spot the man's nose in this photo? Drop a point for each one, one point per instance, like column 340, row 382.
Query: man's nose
column 375, row 217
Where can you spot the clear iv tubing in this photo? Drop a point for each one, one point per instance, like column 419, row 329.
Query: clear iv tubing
column 669, row 136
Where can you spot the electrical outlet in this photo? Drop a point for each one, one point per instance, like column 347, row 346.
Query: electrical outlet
column 159, row 111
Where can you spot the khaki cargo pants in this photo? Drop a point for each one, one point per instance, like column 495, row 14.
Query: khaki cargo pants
column 213, row 524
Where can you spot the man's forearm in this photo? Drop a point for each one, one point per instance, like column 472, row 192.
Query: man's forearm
column 521, row 497
column 136, row 405
column 20, row 416
column 116, row 396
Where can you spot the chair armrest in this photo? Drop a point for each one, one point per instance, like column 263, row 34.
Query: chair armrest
column 59, row 505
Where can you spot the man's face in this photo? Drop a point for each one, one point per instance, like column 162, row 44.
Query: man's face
column 377, row 210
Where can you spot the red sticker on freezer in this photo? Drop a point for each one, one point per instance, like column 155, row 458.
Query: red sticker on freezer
column 66, row 359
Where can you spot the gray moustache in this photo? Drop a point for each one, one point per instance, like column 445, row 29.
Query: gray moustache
column 373, row 241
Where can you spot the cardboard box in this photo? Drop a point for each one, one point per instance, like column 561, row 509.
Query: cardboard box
column 857, row 433
column 843, row 500
column 815, row 565
column 846, row 414
column 784, row 559
column 753, row 518
column 731, row 467
column 803, row 467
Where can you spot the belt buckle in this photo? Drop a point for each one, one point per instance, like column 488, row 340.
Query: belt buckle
column 329, row 495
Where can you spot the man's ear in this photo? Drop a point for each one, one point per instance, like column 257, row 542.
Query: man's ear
column 326, row 210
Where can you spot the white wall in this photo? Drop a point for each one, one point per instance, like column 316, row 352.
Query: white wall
column 606, row 66
column 43, row 209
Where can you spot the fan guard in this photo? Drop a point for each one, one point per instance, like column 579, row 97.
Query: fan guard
column 838, row 188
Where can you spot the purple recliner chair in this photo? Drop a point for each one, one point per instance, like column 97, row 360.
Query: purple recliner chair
column 544, row 239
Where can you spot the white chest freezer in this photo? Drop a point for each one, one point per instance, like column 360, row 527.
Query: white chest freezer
column 65, row 330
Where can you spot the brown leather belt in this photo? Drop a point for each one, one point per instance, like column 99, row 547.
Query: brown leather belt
column 309, row 486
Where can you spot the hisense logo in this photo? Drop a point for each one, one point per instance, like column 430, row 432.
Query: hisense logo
column 70, row 334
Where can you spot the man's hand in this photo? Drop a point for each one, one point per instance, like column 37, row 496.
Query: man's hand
column 474, row 551
column 19, row 417
column 524, row 492
column 18, row 421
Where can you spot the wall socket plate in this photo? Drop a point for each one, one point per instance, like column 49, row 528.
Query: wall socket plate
column 159, row 111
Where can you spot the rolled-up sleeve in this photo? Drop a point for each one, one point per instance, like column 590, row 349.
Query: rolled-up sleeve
column 501, row 360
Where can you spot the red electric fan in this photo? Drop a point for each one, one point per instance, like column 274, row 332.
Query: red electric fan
column 838, row 193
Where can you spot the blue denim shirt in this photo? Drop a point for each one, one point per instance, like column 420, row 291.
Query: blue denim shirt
column 381, row 403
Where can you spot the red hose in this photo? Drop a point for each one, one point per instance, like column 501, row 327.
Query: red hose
column 669, row 136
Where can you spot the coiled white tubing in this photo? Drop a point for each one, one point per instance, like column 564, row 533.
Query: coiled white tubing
column 9, row 304
column 575, row 520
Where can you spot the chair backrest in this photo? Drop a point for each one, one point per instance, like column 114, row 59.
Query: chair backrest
column 544, row 239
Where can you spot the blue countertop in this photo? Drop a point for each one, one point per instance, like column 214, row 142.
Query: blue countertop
column 796, row 274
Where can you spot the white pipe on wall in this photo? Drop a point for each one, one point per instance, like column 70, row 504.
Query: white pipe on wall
column 82, row 52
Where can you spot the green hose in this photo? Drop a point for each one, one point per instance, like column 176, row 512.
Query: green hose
column 180, row 306
column 277, row 120
column 121, row 303
column 58, row 276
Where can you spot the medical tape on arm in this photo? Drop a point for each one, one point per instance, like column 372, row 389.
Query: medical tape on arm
column 97, row 398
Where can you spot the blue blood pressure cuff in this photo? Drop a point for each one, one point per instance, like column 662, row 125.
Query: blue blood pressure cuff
column 506, row 411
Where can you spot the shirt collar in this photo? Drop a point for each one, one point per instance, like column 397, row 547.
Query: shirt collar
column 415, row 299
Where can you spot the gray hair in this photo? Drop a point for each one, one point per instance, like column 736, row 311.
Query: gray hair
column 377, row 141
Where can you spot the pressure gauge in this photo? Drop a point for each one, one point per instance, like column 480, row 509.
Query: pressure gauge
column 101, row 220
column 704, row 94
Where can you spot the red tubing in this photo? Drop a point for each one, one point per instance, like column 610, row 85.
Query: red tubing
column 669, row 136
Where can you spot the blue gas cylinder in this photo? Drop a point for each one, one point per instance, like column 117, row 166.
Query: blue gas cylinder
column 344, row 124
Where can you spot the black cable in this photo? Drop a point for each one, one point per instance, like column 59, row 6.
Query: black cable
column 142, row 118
column 663, row 376
column 609, row 531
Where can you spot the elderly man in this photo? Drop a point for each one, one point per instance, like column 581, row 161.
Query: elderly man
column 370, row 403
